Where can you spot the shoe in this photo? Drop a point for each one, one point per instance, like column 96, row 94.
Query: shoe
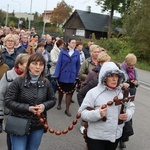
column 82, row 129
column 59, row 107
column 72, row 101
column 68, row 113
column 122, row 144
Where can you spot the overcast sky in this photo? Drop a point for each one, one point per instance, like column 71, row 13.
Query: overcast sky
column 40, row 5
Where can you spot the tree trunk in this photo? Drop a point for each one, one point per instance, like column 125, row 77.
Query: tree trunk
column 110, row 21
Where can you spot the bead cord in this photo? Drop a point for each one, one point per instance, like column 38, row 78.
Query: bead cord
column 51, row 130
column 78, row 83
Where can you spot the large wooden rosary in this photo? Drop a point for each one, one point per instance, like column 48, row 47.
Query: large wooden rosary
column 51, row 130
column 117, row 101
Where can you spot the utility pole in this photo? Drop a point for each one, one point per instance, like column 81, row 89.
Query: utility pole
column 6, row 21
column 44, row 18
column 30, row 16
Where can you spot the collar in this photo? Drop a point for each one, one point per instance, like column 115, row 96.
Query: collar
column 40, row 82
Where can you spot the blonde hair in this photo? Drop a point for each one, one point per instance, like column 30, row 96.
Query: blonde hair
column 21, row 59
column 9, row 36
column 103, row 57
column 130, row 59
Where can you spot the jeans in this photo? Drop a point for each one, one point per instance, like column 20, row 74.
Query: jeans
column 27, row 142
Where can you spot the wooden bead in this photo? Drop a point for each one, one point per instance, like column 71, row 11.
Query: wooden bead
column 46, row 126
column 74, row 121
column 58, row 133
column 51, row 130
column 64, row 131
column 115, row 98
column 104, row 118
column 38, row 114
column 78, row 116
column 104, row 106
column 70, row 127
column 86, row 125
column 85, row 131
column 42, row 120
column 109, row 103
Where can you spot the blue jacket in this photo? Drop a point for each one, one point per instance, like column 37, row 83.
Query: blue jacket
column 9, row 59
column 67, row 67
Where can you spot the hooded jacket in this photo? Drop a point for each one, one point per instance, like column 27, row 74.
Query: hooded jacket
column 101, row 94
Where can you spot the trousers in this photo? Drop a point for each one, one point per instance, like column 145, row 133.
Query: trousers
column 27, row 142
column 101, row 145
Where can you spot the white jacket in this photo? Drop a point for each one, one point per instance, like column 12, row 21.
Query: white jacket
column 54, row 58
column 97, row 129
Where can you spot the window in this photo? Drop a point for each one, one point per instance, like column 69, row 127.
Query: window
column 80, row 32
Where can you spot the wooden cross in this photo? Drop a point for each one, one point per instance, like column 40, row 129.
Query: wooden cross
column 123, row 102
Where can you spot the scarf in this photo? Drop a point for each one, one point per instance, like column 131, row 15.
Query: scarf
column 24, row 45
column 130, row 71
column 18, row 71
column 10, row 52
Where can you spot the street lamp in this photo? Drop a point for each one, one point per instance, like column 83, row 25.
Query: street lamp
column 6, row 21
column 44, row 18
column 30, row 15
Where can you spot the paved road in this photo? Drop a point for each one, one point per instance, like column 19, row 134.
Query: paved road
column 74, row 140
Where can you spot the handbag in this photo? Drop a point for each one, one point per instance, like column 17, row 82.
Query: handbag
column 17, row 126
column 127, row 130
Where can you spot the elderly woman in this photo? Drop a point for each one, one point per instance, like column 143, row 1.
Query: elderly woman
column 105, row 134
column 131, row 82
column 9, row 53
column 29, row 95
column 90, row 62
column 102, row 57
column 131, row 76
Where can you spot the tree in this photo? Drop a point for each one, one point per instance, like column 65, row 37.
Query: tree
column 137, row 25
column 111, row 6
column 60, row 13
column 2, row 16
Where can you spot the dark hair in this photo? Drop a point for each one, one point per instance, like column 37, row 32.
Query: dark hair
column 79, row 43
column 41, row 44
column 66, row 45
column 37, row 57
column 60, row 42
column 35, row 35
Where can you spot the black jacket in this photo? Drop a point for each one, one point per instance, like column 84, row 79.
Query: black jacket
column 82, row 92
column 22, row 94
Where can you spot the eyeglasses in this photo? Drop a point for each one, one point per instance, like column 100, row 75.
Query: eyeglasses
column 41, row 64
column 130, row 65
column 10, row 41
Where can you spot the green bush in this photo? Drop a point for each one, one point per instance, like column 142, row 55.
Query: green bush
column 117, row 48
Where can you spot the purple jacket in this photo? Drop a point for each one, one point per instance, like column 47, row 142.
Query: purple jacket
column 67, row 67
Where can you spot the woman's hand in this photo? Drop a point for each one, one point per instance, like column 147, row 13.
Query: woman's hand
column 40, row 108
column 125, row 85
column 102, row 110
column 33, row 109
column 135, row 82
column 123, row 117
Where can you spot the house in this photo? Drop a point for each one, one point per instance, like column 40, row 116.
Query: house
column 47, row 15
column 24, row 15
column 82, row 24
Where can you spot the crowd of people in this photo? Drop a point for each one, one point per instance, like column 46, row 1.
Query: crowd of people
column 34, row 68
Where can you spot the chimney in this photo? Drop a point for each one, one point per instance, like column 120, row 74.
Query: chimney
column 88, row 9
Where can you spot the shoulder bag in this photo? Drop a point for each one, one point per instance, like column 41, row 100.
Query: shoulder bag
column 17, row 126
